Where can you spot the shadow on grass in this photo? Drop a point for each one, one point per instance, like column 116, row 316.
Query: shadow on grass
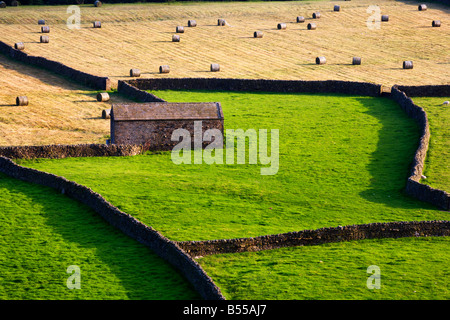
column 391, row 162
column 140, row 272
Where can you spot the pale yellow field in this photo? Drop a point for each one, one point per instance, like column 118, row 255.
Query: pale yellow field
column 59, row 111
column 139, row 36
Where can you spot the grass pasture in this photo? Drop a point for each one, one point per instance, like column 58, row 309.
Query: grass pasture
column 42, row 233
column 343, row 159
column 139, row 36
column 410, row 269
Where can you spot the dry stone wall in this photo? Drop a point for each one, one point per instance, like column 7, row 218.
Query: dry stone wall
column 89, row 80
column 66, row 151
column 128, row 89
column 425, row 91
column 252, row 85
column 319, row 236
column 414, row 188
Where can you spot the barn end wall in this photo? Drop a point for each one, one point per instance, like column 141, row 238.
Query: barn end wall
column 165, row 248
column 89, row 80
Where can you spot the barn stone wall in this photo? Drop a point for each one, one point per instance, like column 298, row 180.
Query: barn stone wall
column 156, row 135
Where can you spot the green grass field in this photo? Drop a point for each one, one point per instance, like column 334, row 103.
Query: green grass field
column 437, row 162
column 343, row 160
column 410, row 269
column 42, row 233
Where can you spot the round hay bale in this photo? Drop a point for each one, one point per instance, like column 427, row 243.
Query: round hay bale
column 312, row 26
column 135, row 73
column 316, row 15
column 102, row 96
column 175, row 38
column 436, row 23
column 407, row 64
column 106, row 114
column 15, row 3
column 22, row 101
column 321, row 60
column 45, row 39
column 97, row 24
column 2, row 4
column 281, row 26
column 356, row 61
column 164, row 69
column 257, row 34
column 300, row 19
column 45, row 29
column 98, row 4
column 180, row 29
column 337, row 8
column 215, row 67
column 221, row 22
column 384, row 17
column 41, row 22
column 19, row 46
column 192, row 23
column 422, row 7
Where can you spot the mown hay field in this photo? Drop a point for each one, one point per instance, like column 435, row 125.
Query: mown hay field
column 140, row 36
column 59, row 111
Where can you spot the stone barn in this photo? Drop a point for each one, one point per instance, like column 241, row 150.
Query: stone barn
column 152, row 124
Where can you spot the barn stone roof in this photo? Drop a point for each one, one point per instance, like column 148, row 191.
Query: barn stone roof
column 166, row 111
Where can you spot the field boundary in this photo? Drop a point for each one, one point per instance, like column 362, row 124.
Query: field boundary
column 89, row 80
column 319, row 236
column 68, row 151
column 128, row 87
column 414, row 188
column 165, row 248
